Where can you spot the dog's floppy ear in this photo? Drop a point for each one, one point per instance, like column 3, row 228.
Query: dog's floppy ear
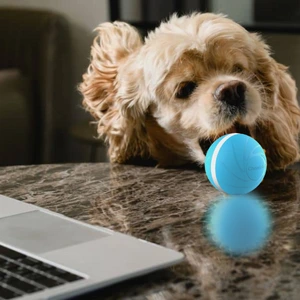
column 111, row 50
column 132, row 97
column 112, row 45
column 279, row 125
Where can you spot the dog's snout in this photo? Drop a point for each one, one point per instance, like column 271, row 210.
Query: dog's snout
column 232, row 92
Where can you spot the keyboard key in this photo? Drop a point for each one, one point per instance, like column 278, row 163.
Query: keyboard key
column 21, row 285
column 34, row 276
column 7, row 294
column 58, row 273
column 46, row 268
column 2, row 261
column 49, row 282
column 23, row 271
column 10, row 266
column 29, row 261
column 10, row 253
column 64, row 275
column 71, row 277
column 43, row 280
column 2, row 275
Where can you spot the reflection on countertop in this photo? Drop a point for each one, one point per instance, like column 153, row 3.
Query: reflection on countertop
column 170, row 207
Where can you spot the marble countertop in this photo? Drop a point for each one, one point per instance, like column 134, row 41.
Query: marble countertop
column 171, row 207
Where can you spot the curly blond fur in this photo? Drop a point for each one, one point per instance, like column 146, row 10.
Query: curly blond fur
column 131, row 87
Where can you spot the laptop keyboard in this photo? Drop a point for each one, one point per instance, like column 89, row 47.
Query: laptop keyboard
column 21, row 274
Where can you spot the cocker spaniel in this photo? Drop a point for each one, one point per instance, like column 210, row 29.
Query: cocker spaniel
column 193, row 79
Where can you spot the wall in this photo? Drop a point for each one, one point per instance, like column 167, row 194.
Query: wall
column 84, row 16
column 286, row 49
column 239, row 10
column 131, row 10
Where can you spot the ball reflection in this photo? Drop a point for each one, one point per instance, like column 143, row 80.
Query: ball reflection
column 239, row 224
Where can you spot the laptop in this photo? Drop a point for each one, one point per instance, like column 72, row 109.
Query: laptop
column 45, row 255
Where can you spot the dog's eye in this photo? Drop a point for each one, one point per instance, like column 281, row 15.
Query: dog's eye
column 237, row 68
column 185, row 89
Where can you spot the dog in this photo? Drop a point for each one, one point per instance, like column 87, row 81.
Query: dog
column 192, row 80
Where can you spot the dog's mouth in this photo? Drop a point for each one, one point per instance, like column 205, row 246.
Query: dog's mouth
column 236, row 128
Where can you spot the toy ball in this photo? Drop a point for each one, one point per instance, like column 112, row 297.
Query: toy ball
column 235, row 164
column 239, row 224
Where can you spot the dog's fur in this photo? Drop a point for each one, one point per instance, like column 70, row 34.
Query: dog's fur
column 132, row 87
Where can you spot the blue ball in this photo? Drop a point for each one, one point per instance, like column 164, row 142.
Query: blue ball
column 239, row 224
column 235, row 164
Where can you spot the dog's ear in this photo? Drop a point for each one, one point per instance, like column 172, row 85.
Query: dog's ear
column 112, row 48
column 279, row 124
column 132, row 96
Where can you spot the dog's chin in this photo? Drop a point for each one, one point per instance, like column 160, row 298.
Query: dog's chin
column 235, row 128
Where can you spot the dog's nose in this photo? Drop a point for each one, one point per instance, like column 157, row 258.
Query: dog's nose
column 232, row 92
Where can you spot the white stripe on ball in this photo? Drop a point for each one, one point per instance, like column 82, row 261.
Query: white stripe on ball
column 214, row 160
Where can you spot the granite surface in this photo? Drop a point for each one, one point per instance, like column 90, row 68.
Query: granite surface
column 169, row 207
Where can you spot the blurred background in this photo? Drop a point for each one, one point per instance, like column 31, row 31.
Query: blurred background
column 44, row 50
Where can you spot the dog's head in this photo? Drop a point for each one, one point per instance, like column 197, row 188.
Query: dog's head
column 194, row 79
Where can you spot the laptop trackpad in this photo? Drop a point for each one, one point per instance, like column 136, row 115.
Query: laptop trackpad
column 40, row 232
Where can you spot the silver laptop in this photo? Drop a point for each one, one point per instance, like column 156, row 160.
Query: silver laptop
column 44, row 255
